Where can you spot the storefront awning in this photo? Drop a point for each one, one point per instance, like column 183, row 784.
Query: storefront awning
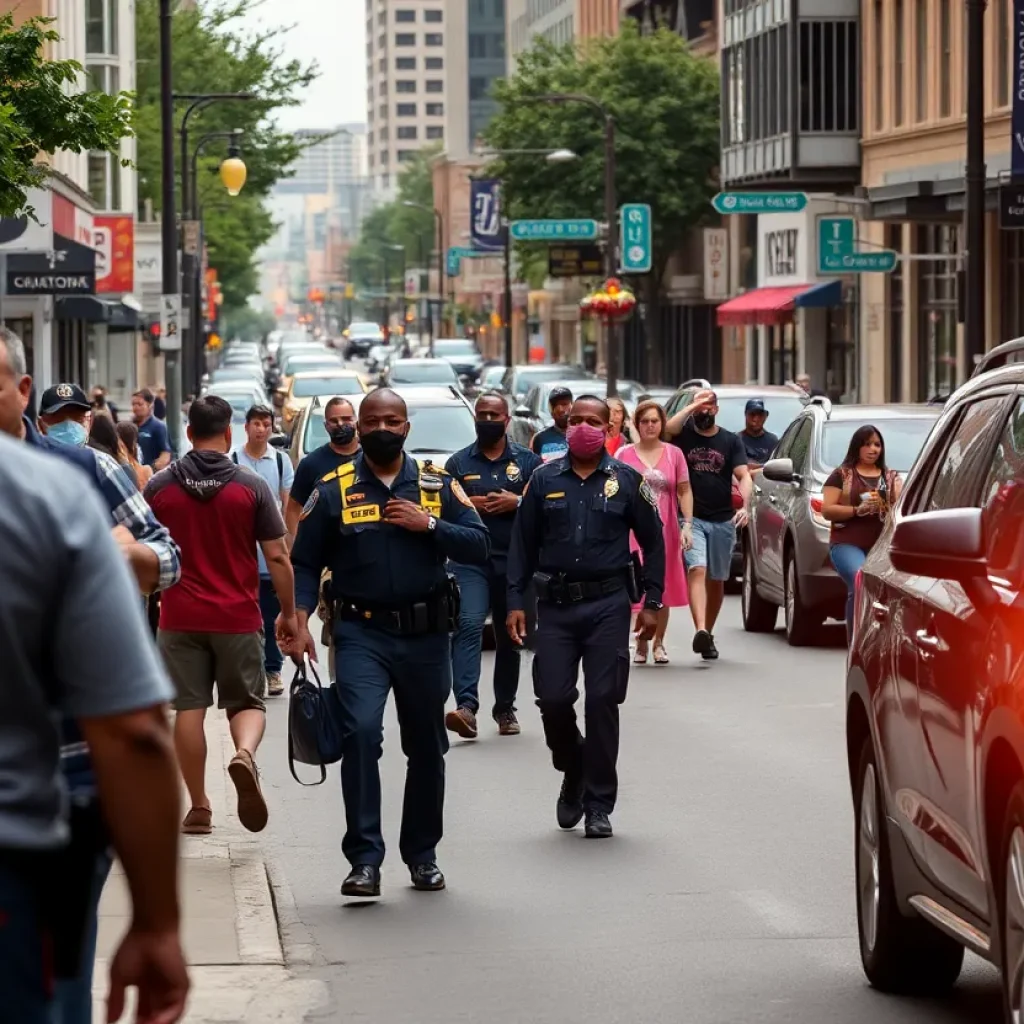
column 774, row 306
column 118, row 316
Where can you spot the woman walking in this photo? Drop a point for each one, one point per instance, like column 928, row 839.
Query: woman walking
column 664, row 470
column 618, row 433
column 129, row 434
column 856, row 499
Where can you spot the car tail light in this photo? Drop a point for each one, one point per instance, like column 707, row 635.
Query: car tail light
column 817, row 502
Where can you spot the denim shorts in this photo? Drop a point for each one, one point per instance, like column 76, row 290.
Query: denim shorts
column 712, row 548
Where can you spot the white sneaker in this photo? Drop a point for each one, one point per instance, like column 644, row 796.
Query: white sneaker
column 274, row 685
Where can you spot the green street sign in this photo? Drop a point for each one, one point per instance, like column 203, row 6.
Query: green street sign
column 635, row 238
column 759, row 202
column 838, row 252
column 577, row 229
column 458, row 253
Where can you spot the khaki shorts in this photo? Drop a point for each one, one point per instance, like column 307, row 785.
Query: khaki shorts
column 233, row 662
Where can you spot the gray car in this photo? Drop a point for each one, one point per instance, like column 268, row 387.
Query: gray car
column 785, row 551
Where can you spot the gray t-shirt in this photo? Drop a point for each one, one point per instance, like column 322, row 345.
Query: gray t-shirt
column 73, row 637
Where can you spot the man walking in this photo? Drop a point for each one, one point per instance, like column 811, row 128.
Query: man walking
column 494, row 473
column 276, row 469
column 211, row 628
column 154, row 441
column 757, row 442
column 714, row 457
column 550, row 443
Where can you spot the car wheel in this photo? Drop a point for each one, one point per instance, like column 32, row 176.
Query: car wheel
column 802, row 624
column 900, row 954
column 1011, row 913
column 759, row 615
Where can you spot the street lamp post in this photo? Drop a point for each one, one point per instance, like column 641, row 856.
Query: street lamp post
column 170, row 283
column 391, row 247
column 441, row 255
column 974, row 185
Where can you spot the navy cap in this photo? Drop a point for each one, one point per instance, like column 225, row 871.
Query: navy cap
column 756, row 405
column 61, row 395
column 559, row 395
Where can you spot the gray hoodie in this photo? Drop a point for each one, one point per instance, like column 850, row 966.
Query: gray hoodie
column 204, row 473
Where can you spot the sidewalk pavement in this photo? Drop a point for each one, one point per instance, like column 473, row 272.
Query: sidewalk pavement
column 233, row 919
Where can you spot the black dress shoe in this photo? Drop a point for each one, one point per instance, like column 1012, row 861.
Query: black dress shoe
column 598, row 826
column 363, row 880
column 569, row 808
column 426, row 877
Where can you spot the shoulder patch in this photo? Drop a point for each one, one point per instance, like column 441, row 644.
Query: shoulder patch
column 460, row 494
column 310, row 503
column 327, row 477
column 647, row 494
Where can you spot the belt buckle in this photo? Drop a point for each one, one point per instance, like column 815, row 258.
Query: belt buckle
column 575, row 591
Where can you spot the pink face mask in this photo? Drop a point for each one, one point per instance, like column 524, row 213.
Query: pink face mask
column 584, row 440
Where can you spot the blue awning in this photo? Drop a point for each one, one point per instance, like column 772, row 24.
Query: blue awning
column 821, row 296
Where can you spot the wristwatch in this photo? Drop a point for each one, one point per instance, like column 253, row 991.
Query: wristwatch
column 653, row 606
column 519, row 501
column 431, row 523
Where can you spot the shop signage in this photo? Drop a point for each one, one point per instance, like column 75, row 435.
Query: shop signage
column 716, row 264
column 66, row 269
column 575, row 261
column 1011, row 207
column 761, row 202
column 115, row 253
column 487, row 232
column 1017, row 120
column 780, row 252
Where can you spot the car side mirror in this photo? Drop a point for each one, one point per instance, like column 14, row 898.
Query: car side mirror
column 279, row 440
column 780, row 470
column 948, row 544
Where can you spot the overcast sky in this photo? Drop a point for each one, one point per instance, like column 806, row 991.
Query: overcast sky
column 331, row 33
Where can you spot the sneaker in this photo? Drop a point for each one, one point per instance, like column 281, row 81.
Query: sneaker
column 711, row 654
column 508, row 724
column 569, row 808
column 274, row 685
column 252, row 808
column 702, row 642
column 462, row 722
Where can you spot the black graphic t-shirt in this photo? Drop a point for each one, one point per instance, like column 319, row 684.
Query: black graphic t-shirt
column 711, row 461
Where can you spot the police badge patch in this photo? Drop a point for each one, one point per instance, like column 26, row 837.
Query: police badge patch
column 647, row 494
column 611, row 487
column 310, row 505
column 460, row 494
column 512, row 472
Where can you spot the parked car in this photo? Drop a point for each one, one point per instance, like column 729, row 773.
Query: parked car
column 533, row 414
column 360, row 337
column 462, row 354
column 490, row 376
column 785, row 550
column 241, row 396
column 421, row 372
column 517, row 380
column 934, row 710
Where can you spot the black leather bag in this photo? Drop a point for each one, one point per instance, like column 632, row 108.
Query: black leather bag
column 314, row 731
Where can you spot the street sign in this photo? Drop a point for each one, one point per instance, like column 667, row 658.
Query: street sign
column 635, row 238
column 838, row 252
column 170, row 323
column 1011, row 207
column 457, row 253
column 573, row 229
column 759, row 202
column 190, row 237
column 575, row 261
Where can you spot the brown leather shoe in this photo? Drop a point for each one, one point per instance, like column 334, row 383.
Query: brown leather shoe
column 462, row 722
column 508, row 724
column 198, row 822
column 252, row 808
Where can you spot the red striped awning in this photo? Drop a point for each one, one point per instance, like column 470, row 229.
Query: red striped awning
column 770, row 306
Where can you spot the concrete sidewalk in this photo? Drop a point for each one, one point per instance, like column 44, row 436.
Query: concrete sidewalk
column 230, row 928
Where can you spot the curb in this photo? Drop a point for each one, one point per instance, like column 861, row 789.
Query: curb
column 296, row 940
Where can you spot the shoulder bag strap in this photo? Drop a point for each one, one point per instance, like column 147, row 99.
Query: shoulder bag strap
column 300, row 670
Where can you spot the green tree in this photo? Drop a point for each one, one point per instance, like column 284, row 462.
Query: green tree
column 212, row 53
column 665, row 102
column 41, row 113
column 247, row 323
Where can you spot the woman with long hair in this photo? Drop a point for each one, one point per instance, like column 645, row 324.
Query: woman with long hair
column 663, row 467
column 129, row 435
column 103, row 437
column 856, row 500
column 619, row 433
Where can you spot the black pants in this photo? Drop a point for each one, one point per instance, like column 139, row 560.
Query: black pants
column 597, row 633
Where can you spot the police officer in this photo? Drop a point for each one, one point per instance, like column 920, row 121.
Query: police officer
column 571, row 537
column 494, row 473
column 385, row 525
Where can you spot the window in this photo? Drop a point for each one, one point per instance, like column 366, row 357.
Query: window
column 105, row 181
column 405, row 85
column 433, row 63
column 878, row 17
column 405, row 155
column 103, row 78
column 1003, row 495
column 434, row 39
column 385, row 180
column 101, row 26
column 405, row 39
column 434, row 16
column 900, row 62
column 499, row 8
column 382, row 64
column 384, row 156
column 945, row 59
column 894, row 241
column 405, row 63
column 801, row 446
column 407, row 109
column 407, row 131
column 435, row 85
column 968, row 450
column 478, row 88
column 405, row 16
column 382, row 110
column 1001, row 13
column 435, row 110
column 435, row 131
column 921, row 41
column 828, row 69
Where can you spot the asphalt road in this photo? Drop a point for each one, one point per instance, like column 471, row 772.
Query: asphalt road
column 726, row 894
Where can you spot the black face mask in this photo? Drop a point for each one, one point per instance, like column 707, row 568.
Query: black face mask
column 489, row 432
column 382, row 446
column 703, row 420
column 343, row 434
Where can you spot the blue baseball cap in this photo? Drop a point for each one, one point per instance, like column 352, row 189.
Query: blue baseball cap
column 756, row 405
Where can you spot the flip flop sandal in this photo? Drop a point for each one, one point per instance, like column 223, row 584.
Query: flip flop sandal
column 640, row 658
column 660, row 655
column 198, row 822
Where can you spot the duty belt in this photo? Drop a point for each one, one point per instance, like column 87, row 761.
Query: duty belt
column 559, row 590
column 416, row 619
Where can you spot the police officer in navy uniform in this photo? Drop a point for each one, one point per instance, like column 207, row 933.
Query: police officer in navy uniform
column 385, row 525
column 571, row 537
column 494, row 472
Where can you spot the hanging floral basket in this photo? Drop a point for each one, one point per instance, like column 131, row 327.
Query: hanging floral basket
column 612, row 302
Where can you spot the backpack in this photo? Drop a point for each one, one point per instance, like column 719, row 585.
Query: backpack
column 280, row 467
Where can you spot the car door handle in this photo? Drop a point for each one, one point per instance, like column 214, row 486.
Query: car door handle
column 773, row 499
column 927, row 641
column 879, row 610
column 757, row 490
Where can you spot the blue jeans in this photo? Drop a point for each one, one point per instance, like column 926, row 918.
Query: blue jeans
column 847, row 559
column 25, row 977
column 270, row 607
column 481, row 588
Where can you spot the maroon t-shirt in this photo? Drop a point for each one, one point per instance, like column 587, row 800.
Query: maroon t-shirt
column 217, row 513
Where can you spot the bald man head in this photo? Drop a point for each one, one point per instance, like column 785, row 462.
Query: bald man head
column 383, row 427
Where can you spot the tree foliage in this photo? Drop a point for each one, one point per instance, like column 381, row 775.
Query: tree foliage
column 41, row 110
column 247, row 323
column 665, row 103
column 212, row 53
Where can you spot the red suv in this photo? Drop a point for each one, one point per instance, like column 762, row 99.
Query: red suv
column 935, row 704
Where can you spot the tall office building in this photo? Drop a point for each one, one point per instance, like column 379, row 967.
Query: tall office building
column 554, row 20
column 406, row 76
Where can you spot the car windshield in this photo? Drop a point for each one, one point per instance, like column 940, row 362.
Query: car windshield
column 782, row 410
column 364, row 330
column 491, row 377
column 438, row 372
column 904, row 439
column 342, row 385
column 454, row 348
column 432, row 428
column 235, row 373
column 525, row 379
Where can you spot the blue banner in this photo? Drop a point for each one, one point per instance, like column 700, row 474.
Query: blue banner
column 1017, row 124
column 486, row 231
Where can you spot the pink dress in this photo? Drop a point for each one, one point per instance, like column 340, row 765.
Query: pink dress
column 663, row 479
